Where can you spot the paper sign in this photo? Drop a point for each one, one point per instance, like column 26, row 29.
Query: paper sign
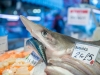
column 33, row 58
column 86, row 53
column 78, row 16
column 3, row 44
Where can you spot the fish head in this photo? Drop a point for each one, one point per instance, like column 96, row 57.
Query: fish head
column 53, row 42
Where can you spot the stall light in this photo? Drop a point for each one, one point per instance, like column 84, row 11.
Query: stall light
column 39, row 10
column 15, row 12
column 96, row 11
column 10, row 17
column 34, row 18
column 36, row 10
column 16, row 17
column 95, row 2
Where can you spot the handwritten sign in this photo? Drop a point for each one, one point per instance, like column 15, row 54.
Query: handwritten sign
column 33, row 58
column 3, row 44
column 86, row 53
column 78, row 16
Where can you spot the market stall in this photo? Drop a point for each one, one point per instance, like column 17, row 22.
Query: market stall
column 46, row 54
column 31, row 48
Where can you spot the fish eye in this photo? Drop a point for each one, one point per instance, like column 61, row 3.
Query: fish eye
column 44, row 33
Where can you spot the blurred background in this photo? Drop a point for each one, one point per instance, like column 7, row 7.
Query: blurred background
column 52, row 14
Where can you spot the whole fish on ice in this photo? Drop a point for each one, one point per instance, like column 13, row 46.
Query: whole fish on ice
column 61, row 46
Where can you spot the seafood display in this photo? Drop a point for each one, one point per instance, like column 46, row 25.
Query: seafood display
column 12, row 62
column 14, row 54
column 15, row 67
column 58, row 50
column 54, row 49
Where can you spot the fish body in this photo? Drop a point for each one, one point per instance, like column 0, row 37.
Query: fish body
column 58, row 45
column 75, row 66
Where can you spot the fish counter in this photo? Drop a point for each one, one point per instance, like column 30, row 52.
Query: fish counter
column 51, row 53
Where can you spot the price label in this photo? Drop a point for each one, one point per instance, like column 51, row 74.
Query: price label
column 78, row 16
column 33, row 58
column 86, row 53
column 3, row 44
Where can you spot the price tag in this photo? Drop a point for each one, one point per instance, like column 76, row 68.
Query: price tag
column 86, row 53
column 33, row 58
column 3, row 44
column 78, row 16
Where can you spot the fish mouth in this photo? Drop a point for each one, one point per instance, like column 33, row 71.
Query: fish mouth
column 39, row 47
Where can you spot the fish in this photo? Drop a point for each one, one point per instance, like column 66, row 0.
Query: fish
column 74, row 66
column 57, row 46
column 55, row 70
